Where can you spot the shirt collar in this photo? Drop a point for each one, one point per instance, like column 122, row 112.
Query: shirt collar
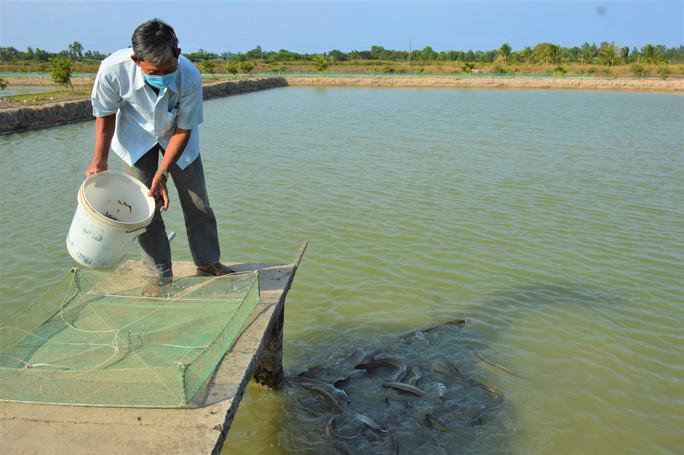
column 139, row 78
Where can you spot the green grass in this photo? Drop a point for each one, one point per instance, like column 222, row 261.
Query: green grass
column 36, row 99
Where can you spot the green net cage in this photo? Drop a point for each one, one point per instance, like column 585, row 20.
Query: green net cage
column 101, row 340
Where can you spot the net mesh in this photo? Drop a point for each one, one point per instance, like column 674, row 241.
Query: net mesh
column 106, row 344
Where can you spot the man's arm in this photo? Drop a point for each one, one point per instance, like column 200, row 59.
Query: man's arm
column 174, row 150
column 104, row 132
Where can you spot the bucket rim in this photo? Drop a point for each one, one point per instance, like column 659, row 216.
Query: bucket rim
column 83, row 200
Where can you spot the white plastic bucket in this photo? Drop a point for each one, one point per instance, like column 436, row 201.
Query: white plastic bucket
column 113, row 209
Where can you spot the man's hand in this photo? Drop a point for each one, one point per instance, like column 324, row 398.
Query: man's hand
column 159, row 192
column 95, row 166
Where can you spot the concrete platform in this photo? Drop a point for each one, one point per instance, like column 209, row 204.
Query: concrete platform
column 51, row 429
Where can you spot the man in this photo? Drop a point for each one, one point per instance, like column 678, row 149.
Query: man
column 148, row 100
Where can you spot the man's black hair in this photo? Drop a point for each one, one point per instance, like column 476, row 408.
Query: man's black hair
column 154, row 40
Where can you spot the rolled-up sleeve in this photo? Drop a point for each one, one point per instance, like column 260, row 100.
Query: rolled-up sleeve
column 190, row 107
column 105, row 97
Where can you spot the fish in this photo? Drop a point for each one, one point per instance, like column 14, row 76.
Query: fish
column 309, row 383
column 370, row 423
column 489, row 365
column 403, row 387
column 415, row 375
column 387, row 362
column 357, row 357
column 331, row 430
column 435, row 423
column 491, row 390
column 446, row 369
column 457, row 322
column 326, row 398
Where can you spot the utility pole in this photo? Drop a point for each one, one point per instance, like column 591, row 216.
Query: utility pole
column 409, row 55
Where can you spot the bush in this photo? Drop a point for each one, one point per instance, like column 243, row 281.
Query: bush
column 637, row 70
column 560, row 70
column 61, row 70
column 498, row 69
column 320, row 63
column 387, row 69
column 664, row 71
column 420, row 70
column 231, row 68
column 208, row 66
column 3, row 83
column 246, row 67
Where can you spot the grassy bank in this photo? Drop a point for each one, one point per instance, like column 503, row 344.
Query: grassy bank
column 662, row 70
column 82, row 85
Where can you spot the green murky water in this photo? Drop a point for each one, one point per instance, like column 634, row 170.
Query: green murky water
column 553, row 220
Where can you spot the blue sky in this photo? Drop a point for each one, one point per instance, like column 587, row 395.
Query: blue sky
column 318, row 26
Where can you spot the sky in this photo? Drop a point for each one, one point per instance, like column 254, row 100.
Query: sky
column 320, row 26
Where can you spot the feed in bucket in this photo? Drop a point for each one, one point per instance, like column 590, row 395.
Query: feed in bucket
column 113, row 209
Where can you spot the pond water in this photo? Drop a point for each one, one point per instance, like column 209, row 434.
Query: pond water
column 26, row 89
column 552, row 220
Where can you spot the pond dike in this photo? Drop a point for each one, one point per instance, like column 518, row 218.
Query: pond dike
column 19, row 119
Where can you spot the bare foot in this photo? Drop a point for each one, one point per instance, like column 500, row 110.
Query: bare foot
column 156, row 286
column 215, row 269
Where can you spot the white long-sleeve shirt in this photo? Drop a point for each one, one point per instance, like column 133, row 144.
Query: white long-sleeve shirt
column 144, row 118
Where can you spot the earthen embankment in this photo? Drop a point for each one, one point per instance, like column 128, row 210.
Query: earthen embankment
column 14, row 120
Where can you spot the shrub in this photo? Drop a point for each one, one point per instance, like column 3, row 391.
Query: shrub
column 208, row 66
column 61, row 70
column 3, row 83
column 420, row 70
column 387, row 69
column 231, row 68
column 664, row 71
column 637, row 69
column 498, row 69
column 246, row 67
column 320, row 63
column 560, row 70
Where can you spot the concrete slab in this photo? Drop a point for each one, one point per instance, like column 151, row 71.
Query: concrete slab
column 36, row 428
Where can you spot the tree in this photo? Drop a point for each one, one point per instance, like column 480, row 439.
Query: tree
column 586, row 54
column 608, row 54
column 75, row 50
column 255, row 54
column 547, row 53
column 320, row 63
column 651, row 54
column 526, row 55
column 427, row 54
column 624, row 54
column 61, row 70
column 337, row 56
column 504, row 53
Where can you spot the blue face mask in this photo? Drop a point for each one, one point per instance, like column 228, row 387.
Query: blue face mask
column 161, row 81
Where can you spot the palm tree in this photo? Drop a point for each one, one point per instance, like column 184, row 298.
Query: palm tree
column 608, row 53
column 651, row 54
column 504, row 53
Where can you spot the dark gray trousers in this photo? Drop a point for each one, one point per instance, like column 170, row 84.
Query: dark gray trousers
column 200, row 222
